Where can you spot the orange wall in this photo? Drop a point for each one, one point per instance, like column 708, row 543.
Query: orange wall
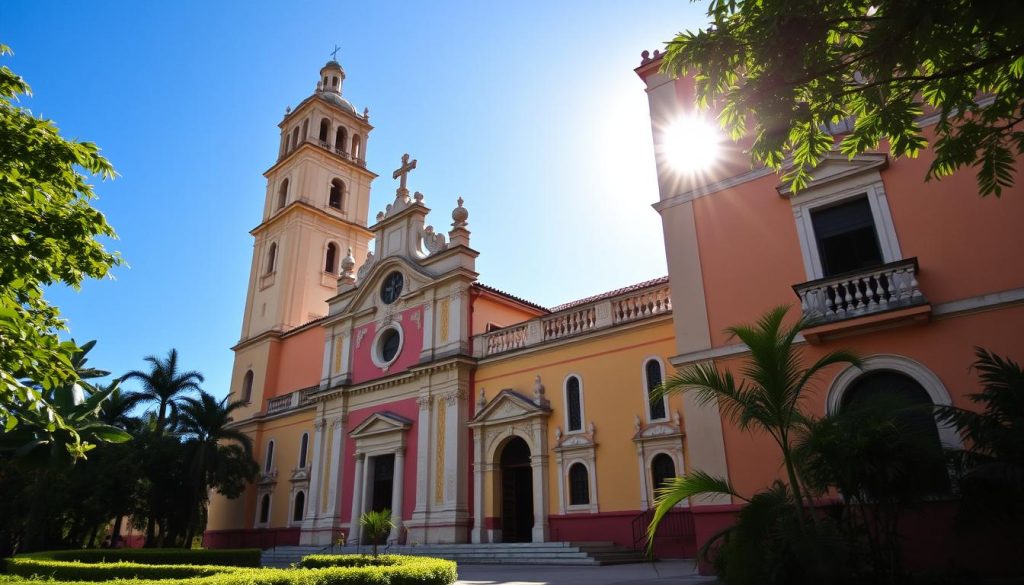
column 944, row 346
column 296, row 362
column 491, row 309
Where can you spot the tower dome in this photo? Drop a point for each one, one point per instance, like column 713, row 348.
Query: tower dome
column 332, row 76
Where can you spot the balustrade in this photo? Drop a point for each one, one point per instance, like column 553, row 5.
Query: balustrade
column 855, row 294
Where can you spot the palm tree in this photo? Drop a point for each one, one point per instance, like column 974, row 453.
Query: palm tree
column 219, row 456
column 165, row 384
column 768, row 398
column 376, row 524
column 117, row 408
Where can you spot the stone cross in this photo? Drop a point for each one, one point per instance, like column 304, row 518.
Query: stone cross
column 334, row 53
column 403, row 171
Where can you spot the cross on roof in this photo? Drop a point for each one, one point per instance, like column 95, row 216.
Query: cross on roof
column 403, row 171
column 334, row 53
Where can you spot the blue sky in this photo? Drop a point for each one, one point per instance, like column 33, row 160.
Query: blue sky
column 528, row 110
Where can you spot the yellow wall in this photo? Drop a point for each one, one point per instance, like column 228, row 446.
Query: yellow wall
column 610, row 367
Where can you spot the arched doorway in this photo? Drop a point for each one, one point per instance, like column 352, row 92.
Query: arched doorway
column 912, row 412
column 516, row 492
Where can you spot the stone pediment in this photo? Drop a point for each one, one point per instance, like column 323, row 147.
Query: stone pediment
column 575, row 441
column 364, row 295
column 658, row 430
column 379, row 423
column 836, row 167
column 508, row 406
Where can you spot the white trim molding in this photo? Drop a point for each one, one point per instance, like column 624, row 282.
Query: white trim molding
column 903, row 365
column 565, row 398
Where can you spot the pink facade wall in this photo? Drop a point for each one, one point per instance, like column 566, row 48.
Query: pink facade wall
column 406, row 408
column 363, row 368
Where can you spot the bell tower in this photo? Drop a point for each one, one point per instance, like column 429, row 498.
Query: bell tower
column 314, row 219
column 315, row 209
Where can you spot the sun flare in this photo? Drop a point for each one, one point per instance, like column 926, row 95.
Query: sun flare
column 691, row 144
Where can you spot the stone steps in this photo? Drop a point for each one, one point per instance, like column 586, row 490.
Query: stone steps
column 514, row 553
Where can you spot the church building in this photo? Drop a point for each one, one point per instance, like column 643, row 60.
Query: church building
column 380, row 373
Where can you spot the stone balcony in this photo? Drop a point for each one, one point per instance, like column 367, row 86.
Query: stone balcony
column 880, row 296
column 290, row 401
column 577, row 320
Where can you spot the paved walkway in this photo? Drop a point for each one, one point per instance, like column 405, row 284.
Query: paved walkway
column 681, row 572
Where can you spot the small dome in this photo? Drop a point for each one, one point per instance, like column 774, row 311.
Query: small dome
column 337, row 100
column 348, row 262
column 332, row 64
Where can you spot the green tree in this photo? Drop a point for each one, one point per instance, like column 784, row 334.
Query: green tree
column 785, row 71
column 376, row 525
column 165, row 384
column 220, row 456
column 769, row 396
column 49, row 234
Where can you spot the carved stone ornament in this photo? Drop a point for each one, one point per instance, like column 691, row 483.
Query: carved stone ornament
column 433, row 242
column 423, row 402
column 454, row 396
column 319, row 424
column 365, row 268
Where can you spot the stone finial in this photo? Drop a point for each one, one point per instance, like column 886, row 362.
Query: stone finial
column 558, row 433
column 348, row 264
column 591, row 428
column 459, row 215
column 380, row 215
column 418, row 197
column 636, row 423
column 366, row 113
column 287, row 110
column 538, row 392
column 675, row 417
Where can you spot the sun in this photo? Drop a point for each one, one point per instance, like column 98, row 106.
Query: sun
column 690, row 144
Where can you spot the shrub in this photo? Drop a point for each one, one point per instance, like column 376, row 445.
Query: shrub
column 244, row 557
column 79, row 571
column 316, row 570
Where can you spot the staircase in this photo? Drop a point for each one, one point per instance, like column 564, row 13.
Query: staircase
column 525, row 553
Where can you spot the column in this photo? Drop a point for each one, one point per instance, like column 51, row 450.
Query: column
column 357, row 499
column 397, row 490
column 478, row 486
column 336, row 455
column 424, row 448
column 316, row 471
column 539, row 469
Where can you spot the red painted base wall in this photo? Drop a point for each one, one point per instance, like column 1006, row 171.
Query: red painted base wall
column 618, row 527
column 262, row 538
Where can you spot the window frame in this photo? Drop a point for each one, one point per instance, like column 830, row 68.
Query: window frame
column 587, row 476
column 303, row 450
column 565, row 396
column 831, row 194
column 268, row 457
column 647, row 391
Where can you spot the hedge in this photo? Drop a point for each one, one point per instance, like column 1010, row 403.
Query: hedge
column 78, row 571
column 319, row 570
column 243, row 557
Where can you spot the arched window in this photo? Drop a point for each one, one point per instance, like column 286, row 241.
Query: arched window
column 268, row 464
column 340, row 138
column 325, row 129
column 295, row 137
column 652, row 373
column 303, row 448
column 662, row 470
column 912, row 415
column 247, row 386
column 305, row 129
column 265, row 509
column 573, row 404
column 579, row 485
column 330, row 257
column 272, row 258
column 357, row 147
column 334, row 81
column 300, row 506
column 337, row 193
column 282, row 194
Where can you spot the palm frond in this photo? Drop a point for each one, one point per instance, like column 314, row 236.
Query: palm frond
column 677, row 489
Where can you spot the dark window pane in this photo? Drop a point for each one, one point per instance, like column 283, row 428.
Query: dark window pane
column 653, row 369
column 300, row 506
column 265, row 509
column 846, row 237
column 270, row 457
column 662, row 470
column 303, row 449
column 572, row 392
column 389, row 345
column 579, row 485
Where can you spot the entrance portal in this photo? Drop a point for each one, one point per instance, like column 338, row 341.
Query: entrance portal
column 516, row 492
column 383, row 482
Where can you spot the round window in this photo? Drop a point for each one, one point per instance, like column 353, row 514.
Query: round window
column 389, row 342
column 391, row 288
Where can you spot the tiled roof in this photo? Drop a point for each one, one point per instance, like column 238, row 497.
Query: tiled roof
column 611, row 293
column 491, row 289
